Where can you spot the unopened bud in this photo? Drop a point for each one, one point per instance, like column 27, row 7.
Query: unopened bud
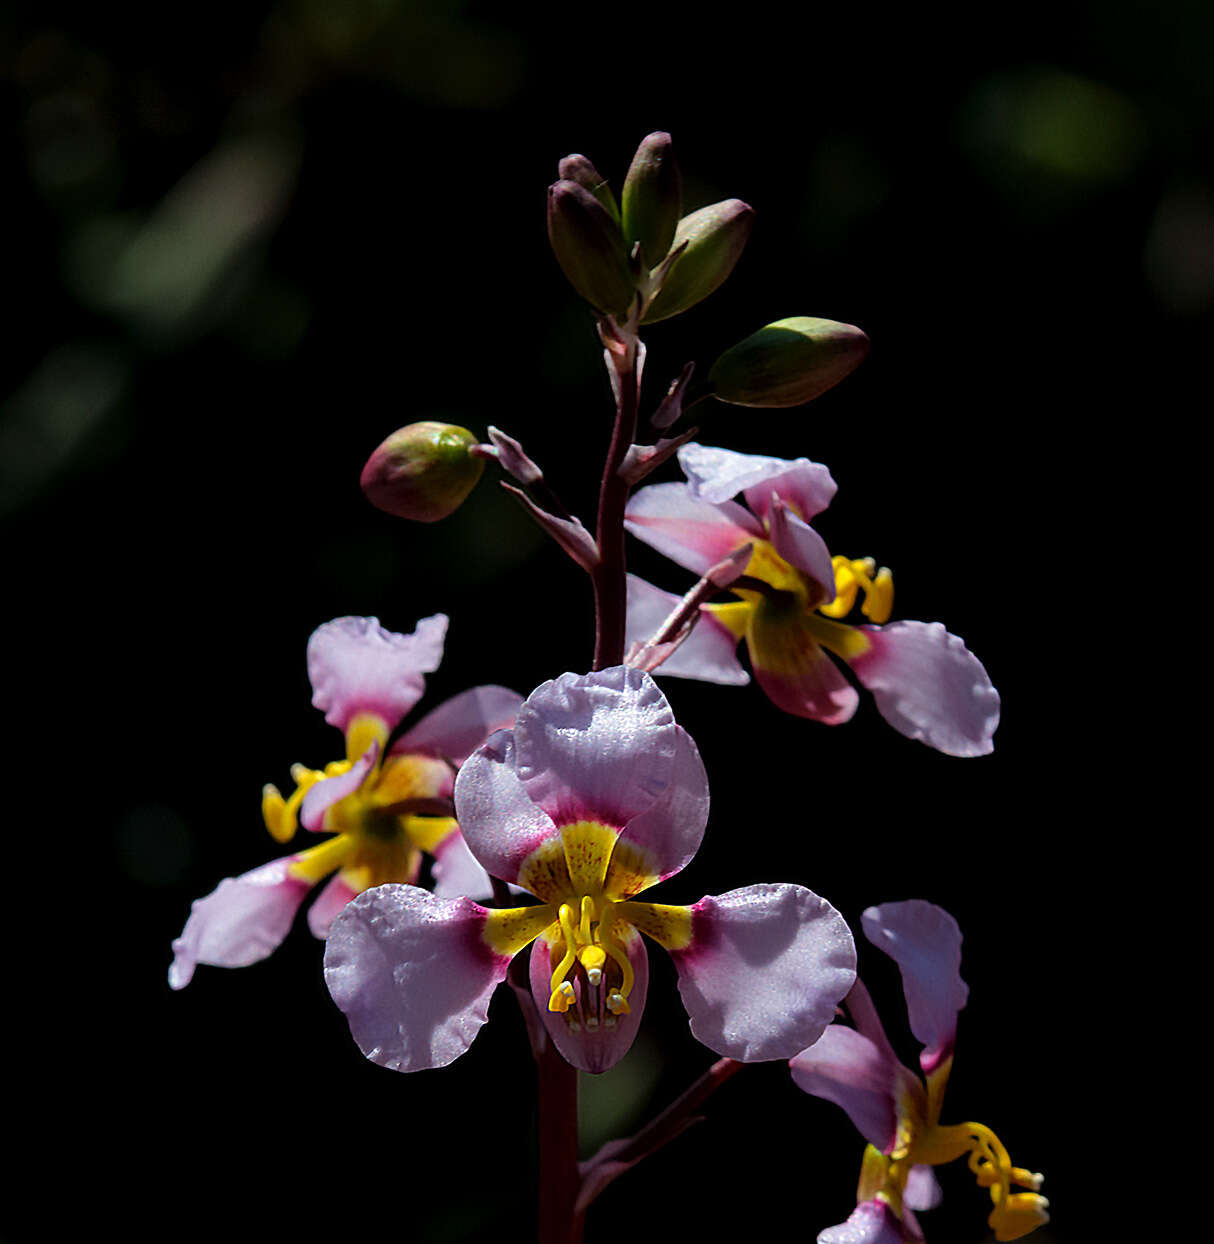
column 787, row 363
column 423, row 471
column 578, row 168
column 714, row 237
column 653, row 199
column 589, row 247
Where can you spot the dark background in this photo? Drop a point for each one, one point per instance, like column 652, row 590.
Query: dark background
column 247, row 242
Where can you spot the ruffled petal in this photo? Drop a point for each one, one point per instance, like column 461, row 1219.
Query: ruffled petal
column 329, row 791
column 355, row 666
column 764, row 970
column 456, row 871
column 709, row 653
column 871, row 1222
column 717, row 475
column 793, row 669
column 845, row 1067
column 661, row 840
column 925, row 942
column 690, row 532
column 801, row 546
column 596, row 747
column 457, row 727
column 329, row 904
column 413, row 974
column 596, row 1046
column 930, row 687
column 241, row 921
column 500, row 823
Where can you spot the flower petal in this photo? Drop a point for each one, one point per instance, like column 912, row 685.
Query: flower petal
column 871, row 1222
column 597, row 747
column 922, row 1189
column 329, row 791
column 930, row 687
column 241, row 921
column 709, row 653
column 498, row 819
column 458, row 726
column 765, row 968
column 594, row 1049
column 801, row 546
column 413, row 974
column 925, row 942
column 661, row 840
column 716, row 475
column 690, row 532
column 329, row 904
column 793, row 670
column 845, row 1067
column 355, row 666
column 456, row 871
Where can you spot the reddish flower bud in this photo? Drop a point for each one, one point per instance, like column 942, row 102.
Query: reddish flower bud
column 423, row 471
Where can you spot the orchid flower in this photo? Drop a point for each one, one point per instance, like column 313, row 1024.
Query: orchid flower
column 925, row 682
column 594, row 796
column 378, row 803
column 897, row 1112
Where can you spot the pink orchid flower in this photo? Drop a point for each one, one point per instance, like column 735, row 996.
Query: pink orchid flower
column 594, row 796
column 925, row 682
column 897, row 1112
column 365, row 679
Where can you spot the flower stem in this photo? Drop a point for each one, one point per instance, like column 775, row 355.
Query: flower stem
column 560, row 1180
column 610, row 588
column 617, row 1156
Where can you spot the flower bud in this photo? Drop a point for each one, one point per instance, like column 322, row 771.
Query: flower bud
column 589, row 247
column 787, row 363
column 578, row 168
column 714, row 238
column 653, row 199
column 423, row 471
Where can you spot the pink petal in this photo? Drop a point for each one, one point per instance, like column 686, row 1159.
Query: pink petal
column 690, row 532
column 328, row 791
column 709, row 653
column 241, row 921
column 925, row 942
column 413, row 975
column 766, row 967
column 456, row 871
column 716, row 475
column 457, row 727
column 801, row 546
column 330, row 902
column 922, row 1189
column 669, row 832
column 591, row 1049
column 794, row 671
column 871, row 1222
column 930, row 687
column 598, row 747
column 501, row 824
column 845, row 1067
column 355, row 666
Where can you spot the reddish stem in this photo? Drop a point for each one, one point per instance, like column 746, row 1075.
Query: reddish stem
column 560, row 1179
column 610, row 587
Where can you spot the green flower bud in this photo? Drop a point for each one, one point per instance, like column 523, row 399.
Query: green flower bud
column 653, row 199
column 788, row 363
column 578, row 168
column 589, row 247
column 714, row 237
column 423, row 471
